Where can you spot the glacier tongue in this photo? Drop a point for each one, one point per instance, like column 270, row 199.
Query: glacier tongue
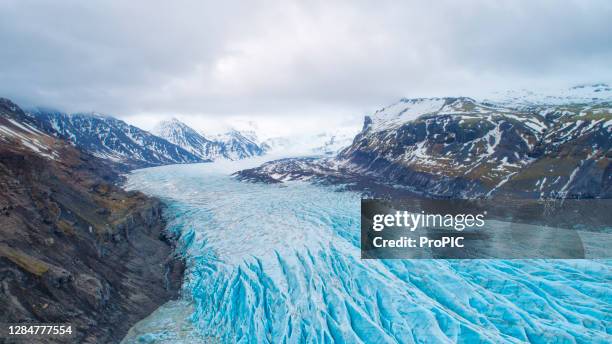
column 272, row 264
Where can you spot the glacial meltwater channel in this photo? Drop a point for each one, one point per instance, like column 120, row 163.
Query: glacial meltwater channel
column 281, row 264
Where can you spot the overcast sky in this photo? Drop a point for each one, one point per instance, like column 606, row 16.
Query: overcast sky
column 282, row 62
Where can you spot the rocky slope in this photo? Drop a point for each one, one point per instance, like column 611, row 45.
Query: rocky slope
column 111, row 139
column 74, row 248
column 459, row 147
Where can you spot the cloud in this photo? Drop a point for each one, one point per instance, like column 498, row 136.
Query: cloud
column 279, row 59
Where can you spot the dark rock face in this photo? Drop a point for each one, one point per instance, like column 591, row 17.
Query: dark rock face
column 109, row 138
column 75, row 248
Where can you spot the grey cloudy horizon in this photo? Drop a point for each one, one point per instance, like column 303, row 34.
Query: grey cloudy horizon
column 206, row 60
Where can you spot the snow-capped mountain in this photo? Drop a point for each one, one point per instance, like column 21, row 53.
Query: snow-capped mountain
column 459, row 147
column 237, row 145
column 187, row 138
column 110, row 138
column 232, row 145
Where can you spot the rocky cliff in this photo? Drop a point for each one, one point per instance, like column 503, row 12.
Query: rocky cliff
column 74, row 247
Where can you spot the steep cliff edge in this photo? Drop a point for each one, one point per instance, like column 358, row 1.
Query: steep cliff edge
column 74, row 248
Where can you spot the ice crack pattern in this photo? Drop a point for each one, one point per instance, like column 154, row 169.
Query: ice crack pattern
column 280, row 264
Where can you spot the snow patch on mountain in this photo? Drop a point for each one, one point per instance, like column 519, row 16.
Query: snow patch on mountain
column 404, row 111
column 17, row 129
column 29, row 137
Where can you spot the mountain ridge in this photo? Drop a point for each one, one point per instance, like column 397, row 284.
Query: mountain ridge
column 460, row 147
column 232, row 145
column 111, row 138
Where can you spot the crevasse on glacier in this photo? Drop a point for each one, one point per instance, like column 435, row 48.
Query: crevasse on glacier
column 270, row 264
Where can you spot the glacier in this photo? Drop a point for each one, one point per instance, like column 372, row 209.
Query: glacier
column 281, row 264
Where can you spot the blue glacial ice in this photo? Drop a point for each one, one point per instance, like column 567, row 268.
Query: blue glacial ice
column 280, row 264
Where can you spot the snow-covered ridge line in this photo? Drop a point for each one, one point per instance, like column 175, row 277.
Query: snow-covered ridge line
column 233, row 145
column 460, row 147
column 110, row 138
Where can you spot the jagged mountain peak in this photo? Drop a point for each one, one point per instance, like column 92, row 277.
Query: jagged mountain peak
column 234, row 134
column 172, row 126
column 238, row 145
column 187, row 138
column 232, row 145
column 177, row 122
column 110, row 138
